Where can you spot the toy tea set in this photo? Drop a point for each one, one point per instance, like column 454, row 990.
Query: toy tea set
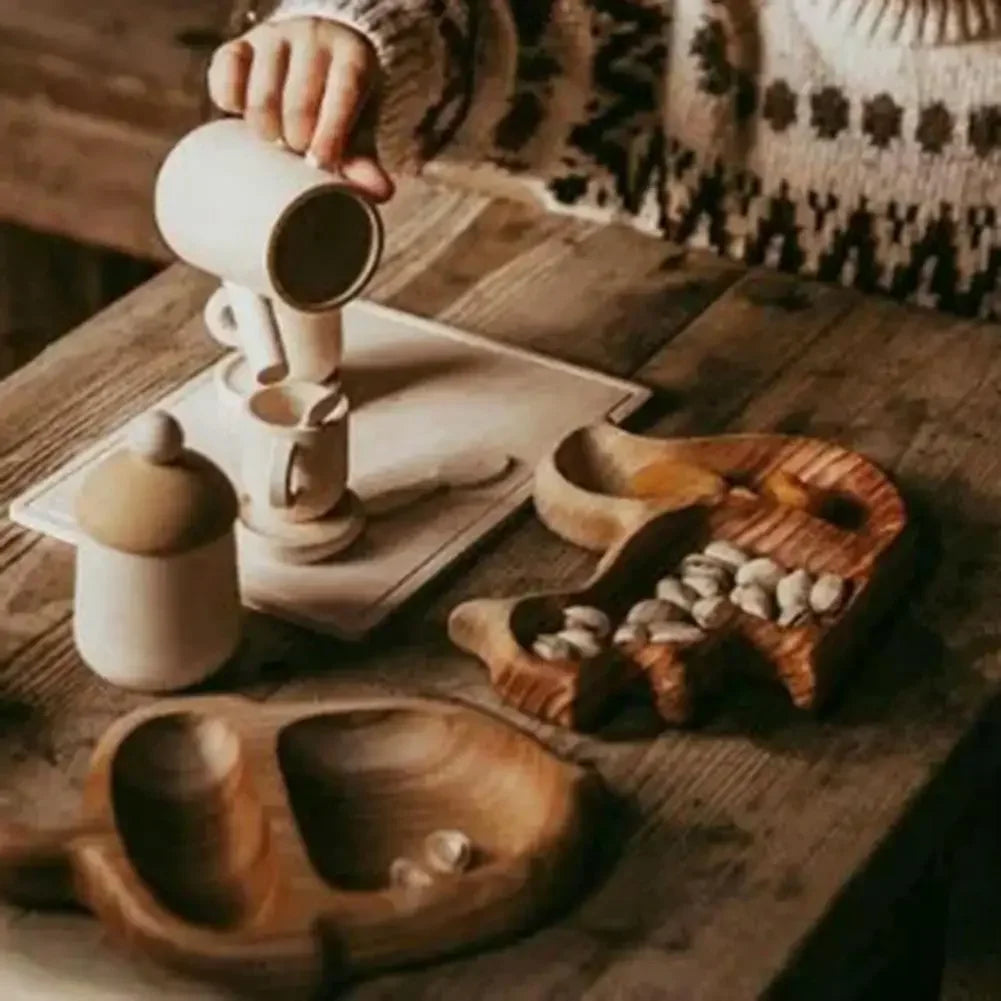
column 279, row 845
column 291, row 246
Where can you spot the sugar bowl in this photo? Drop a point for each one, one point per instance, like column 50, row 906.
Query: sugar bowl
column 156, row 599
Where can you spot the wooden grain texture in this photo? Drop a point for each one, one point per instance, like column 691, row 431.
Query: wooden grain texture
column 764, row 849
column 92, row 96
column 255, row 845
column 585, row 493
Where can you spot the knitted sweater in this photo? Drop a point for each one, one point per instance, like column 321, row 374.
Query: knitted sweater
column 858, row 142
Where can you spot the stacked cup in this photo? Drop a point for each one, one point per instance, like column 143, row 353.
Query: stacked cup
column 292, row 245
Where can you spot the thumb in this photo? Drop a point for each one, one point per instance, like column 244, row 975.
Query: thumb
column 361, row 165
column 368, row 175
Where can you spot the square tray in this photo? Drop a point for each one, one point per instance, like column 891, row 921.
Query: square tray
column 421, row 392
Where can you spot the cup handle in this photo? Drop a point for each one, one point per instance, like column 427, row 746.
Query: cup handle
column 280, row 493
column 258, row 334
column 219, row 319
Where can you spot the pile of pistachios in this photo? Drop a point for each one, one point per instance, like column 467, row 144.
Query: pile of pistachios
column 697, row 599
column 584, row 635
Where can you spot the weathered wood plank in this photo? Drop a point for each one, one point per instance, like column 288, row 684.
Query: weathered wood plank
column 92, row 96
column 77, row 176
column 115, row 62
column 612, row 297
column 738, row 347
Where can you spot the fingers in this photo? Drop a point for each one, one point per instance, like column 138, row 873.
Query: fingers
column 228, row 74
column 367, row 175
column 309, row 83
column 303, row 93
column 267, row 82
column 347, row 85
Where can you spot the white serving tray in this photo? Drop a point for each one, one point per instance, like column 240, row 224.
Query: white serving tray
column 421, row 392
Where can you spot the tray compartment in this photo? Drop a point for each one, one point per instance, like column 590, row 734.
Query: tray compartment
column 368, row 786
column 190, row 820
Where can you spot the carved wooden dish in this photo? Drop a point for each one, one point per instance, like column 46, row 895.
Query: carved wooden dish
column 646, row 502
column 252, row 844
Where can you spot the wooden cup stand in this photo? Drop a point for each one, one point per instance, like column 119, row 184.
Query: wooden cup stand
column 251, row 844
column 643, row 503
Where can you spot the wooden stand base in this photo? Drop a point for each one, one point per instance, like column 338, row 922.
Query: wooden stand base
column 303, row 542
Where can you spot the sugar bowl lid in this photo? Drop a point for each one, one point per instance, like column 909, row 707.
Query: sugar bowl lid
column 155, row 497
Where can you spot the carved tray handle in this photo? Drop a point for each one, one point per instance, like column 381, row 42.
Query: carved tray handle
column 568, row 692
column 482, row 627
column 36, row 867
column 598, row 515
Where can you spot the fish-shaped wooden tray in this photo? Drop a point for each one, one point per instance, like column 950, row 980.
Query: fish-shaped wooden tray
column 252, row 844
column 644, row 503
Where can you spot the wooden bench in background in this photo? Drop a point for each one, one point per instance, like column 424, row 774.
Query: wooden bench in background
column 92, row 95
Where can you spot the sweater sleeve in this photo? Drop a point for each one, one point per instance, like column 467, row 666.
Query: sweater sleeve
column 448, row 70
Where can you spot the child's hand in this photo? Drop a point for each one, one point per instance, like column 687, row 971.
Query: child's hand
column 306, row 81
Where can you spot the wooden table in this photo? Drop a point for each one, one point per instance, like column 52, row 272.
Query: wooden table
column 768, row 853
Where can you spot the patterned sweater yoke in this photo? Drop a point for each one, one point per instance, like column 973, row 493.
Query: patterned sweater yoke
column 855, row 142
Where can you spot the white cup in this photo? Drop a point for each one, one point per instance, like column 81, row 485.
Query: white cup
column 261, row 217
column 254, row 331
column 233, row 383
column 309, row 345
column 295, row 450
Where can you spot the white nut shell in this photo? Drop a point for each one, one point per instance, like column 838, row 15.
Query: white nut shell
column 726, row 553
column 409, row 875
column 705, row 585
column 754, row 600
column 587, row 617
column 583, row 641
column 793, row 590
column 795, row 616
column 762, row 571
column 673, row 590
column 828, row 594
column 631, row 633
column 711, row 613
column 700, row 563
column 678, row 633
column 448, row 851
column 550, row 647
column 651, row 610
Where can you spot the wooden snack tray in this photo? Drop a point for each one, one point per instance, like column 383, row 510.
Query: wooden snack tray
column 251, row 843
column 646, row 502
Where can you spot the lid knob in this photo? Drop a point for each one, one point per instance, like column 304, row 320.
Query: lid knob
column 158, row 437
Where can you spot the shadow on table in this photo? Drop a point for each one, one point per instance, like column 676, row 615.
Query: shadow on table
column 369, row 382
